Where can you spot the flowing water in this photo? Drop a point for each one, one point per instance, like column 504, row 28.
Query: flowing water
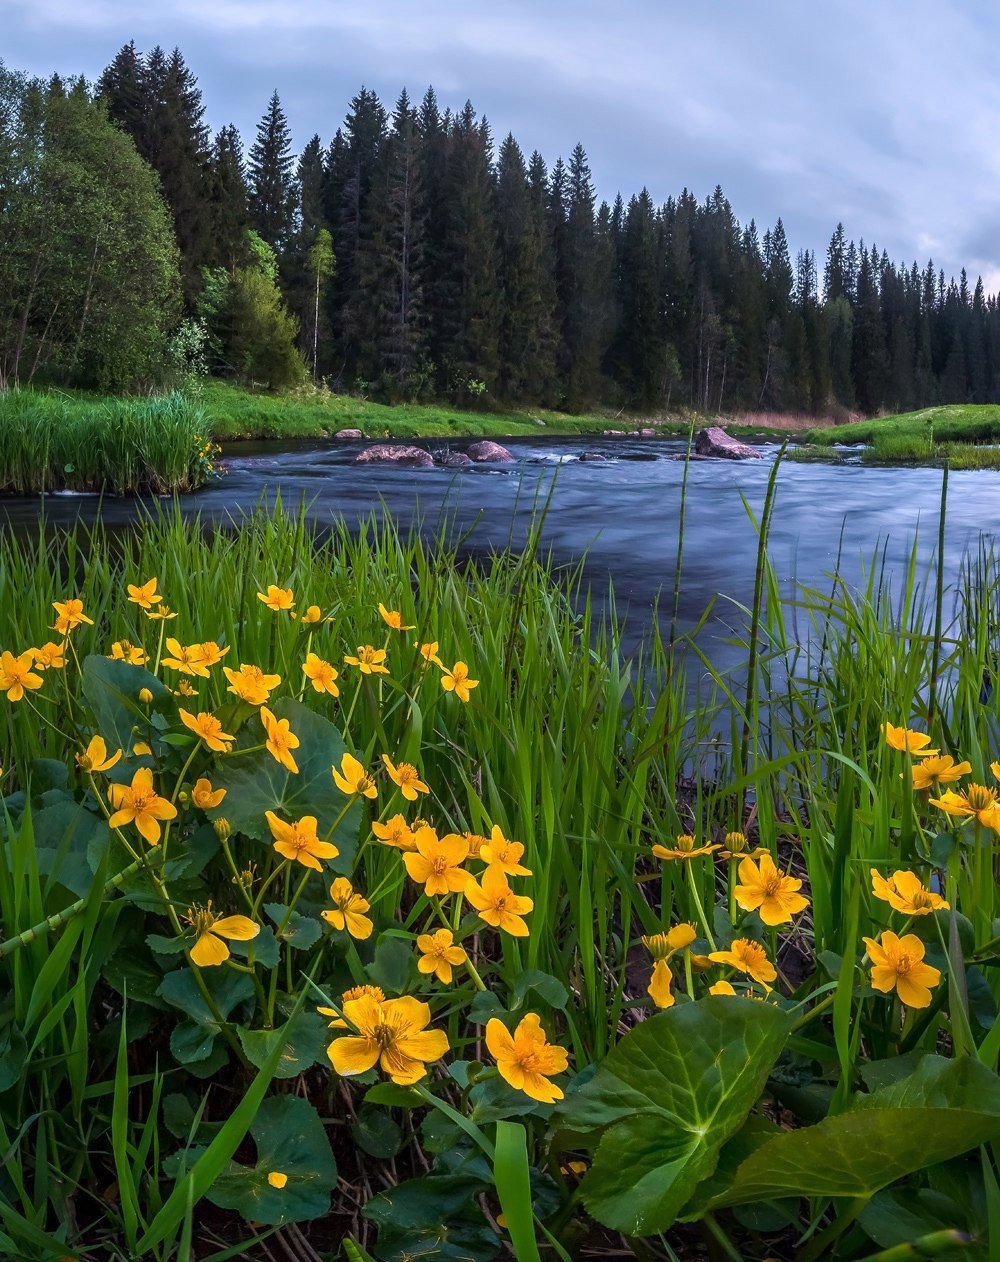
column 620, row 513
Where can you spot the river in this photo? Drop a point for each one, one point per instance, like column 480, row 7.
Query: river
column 621, row 513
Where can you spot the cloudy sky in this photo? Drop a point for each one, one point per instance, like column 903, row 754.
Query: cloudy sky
column 883, row 115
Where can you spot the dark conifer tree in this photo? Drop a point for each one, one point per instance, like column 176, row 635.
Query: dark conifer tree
column 270, row 180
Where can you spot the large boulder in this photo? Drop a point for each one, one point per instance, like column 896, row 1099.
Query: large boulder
column 487, row 450
column 714, row 441
column 348, row 434
column 395, row 453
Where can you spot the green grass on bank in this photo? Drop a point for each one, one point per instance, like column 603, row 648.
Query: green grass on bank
column 59, row 441
column 960, row 422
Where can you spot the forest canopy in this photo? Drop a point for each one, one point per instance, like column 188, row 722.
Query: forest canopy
column 412, row 256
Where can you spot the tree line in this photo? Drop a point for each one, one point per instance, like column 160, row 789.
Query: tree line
column 414, row 257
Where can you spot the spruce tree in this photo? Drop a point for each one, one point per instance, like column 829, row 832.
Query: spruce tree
column 270, row 182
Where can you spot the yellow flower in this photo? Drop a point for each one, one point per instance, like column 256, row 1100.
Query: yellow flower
column 429, row 652
column 405, row 777
column 211, row 930
column 299, row 842
column 320, row 674
column 763, row 888
column 204, row 796
column 145, row 595
column 476, row 842
column 185, row 689
column 337, row 1022
column 140, row 804
column 212, row 654
column 95, row 756
column 526, row 1059
column 904, row 892
column 497, row 904
column 938, row 769
column 312, row 614
column 684, row 847
column 457, row 681
column 349, row 909
column 662, row 946
column 369, row 660
column 145, row 696
column 208, row 729
column 187, row 658
column 276, row 1179
column 69, row 615
column 352, row 778
column 436, row 862
column 439, row 954
column 907, row 741
column 975, row 801
column 281, row 740
column 721, row 988
column 659, row 988
column 505, row 854
column 16, row 675
column 393, row 618
column 163, row 614
column 394, row 832
column 898, row 964
column 142, row 747
column 747, row 957
column 250, row 684
column 50, row 656
column 392, row 1032
column 279, row 599
column 126, row 651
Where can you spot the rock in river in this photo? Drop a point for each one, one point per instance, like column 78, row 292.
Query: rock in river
column 716, row 442
column 348, row 433
column 395, row 453
column 592, row 457
column 455, row 460
column 486, row 449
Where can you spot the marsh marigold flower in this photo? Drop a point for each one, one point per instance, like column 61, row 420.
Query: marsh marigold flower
column 208, row 729
column 904, row 892
column 138, row 803
column 526, row 1059
column 439, row 954
column 975, row 801
column 503, row 853
column 406, row 778
column 907, row 741
column 369, row 660
column 69, row 614
column 497, row 904
column 278, row 599
column 937, row 769
column 337, row 1022
column 95, row 756
column 321, row 674
column 50, row 656
column 142, row 748
column 298, row 841
column 281, row 740
column 395, row 832
column 250, row 683
column 764, row 889
column 391, row 1032
column 897, row 964
column 16, row 675
column 457, row 681
column 348, row 910
column 144, row 595
column 393, row 618
column 722, row 988
column 429, row 652
column 747, row 957
column 661, row 947
column 684, row 847
column 212, row 653
column 126, row 651
column 187, row 658
column 436, row 862
column 352, row 778
column 211, row 932
column 312, row 614
column 163, row 614
column 204, row 796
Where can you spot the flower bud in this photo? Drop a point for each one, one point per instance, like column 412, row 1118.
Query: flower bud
column 145, row 696
column 223, row 828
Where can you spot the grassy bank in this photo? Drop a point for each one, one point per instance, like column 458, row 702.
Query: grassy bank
column 630, row 959
column 954, row 423
column 53, row 442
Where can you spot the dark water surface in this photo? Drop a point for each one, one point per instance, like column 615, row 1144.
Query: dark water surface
column 622, row 513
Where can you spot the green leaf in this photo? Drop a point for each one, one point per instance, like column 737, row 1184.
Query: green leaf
column 257, row 783
column 437, row 1216
column 665, row 1100
column 291, row 1140
column 395, row 1096
column 13, row 1054
column 112, row 689
column 305, row 1041
column 301, row 931
column 549, row 989
column 392, row 964
column 376, row 1133
column 944, row 1108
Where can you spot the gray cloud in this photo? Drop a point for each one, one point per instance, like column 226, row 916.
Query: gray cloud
column 883, row 116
